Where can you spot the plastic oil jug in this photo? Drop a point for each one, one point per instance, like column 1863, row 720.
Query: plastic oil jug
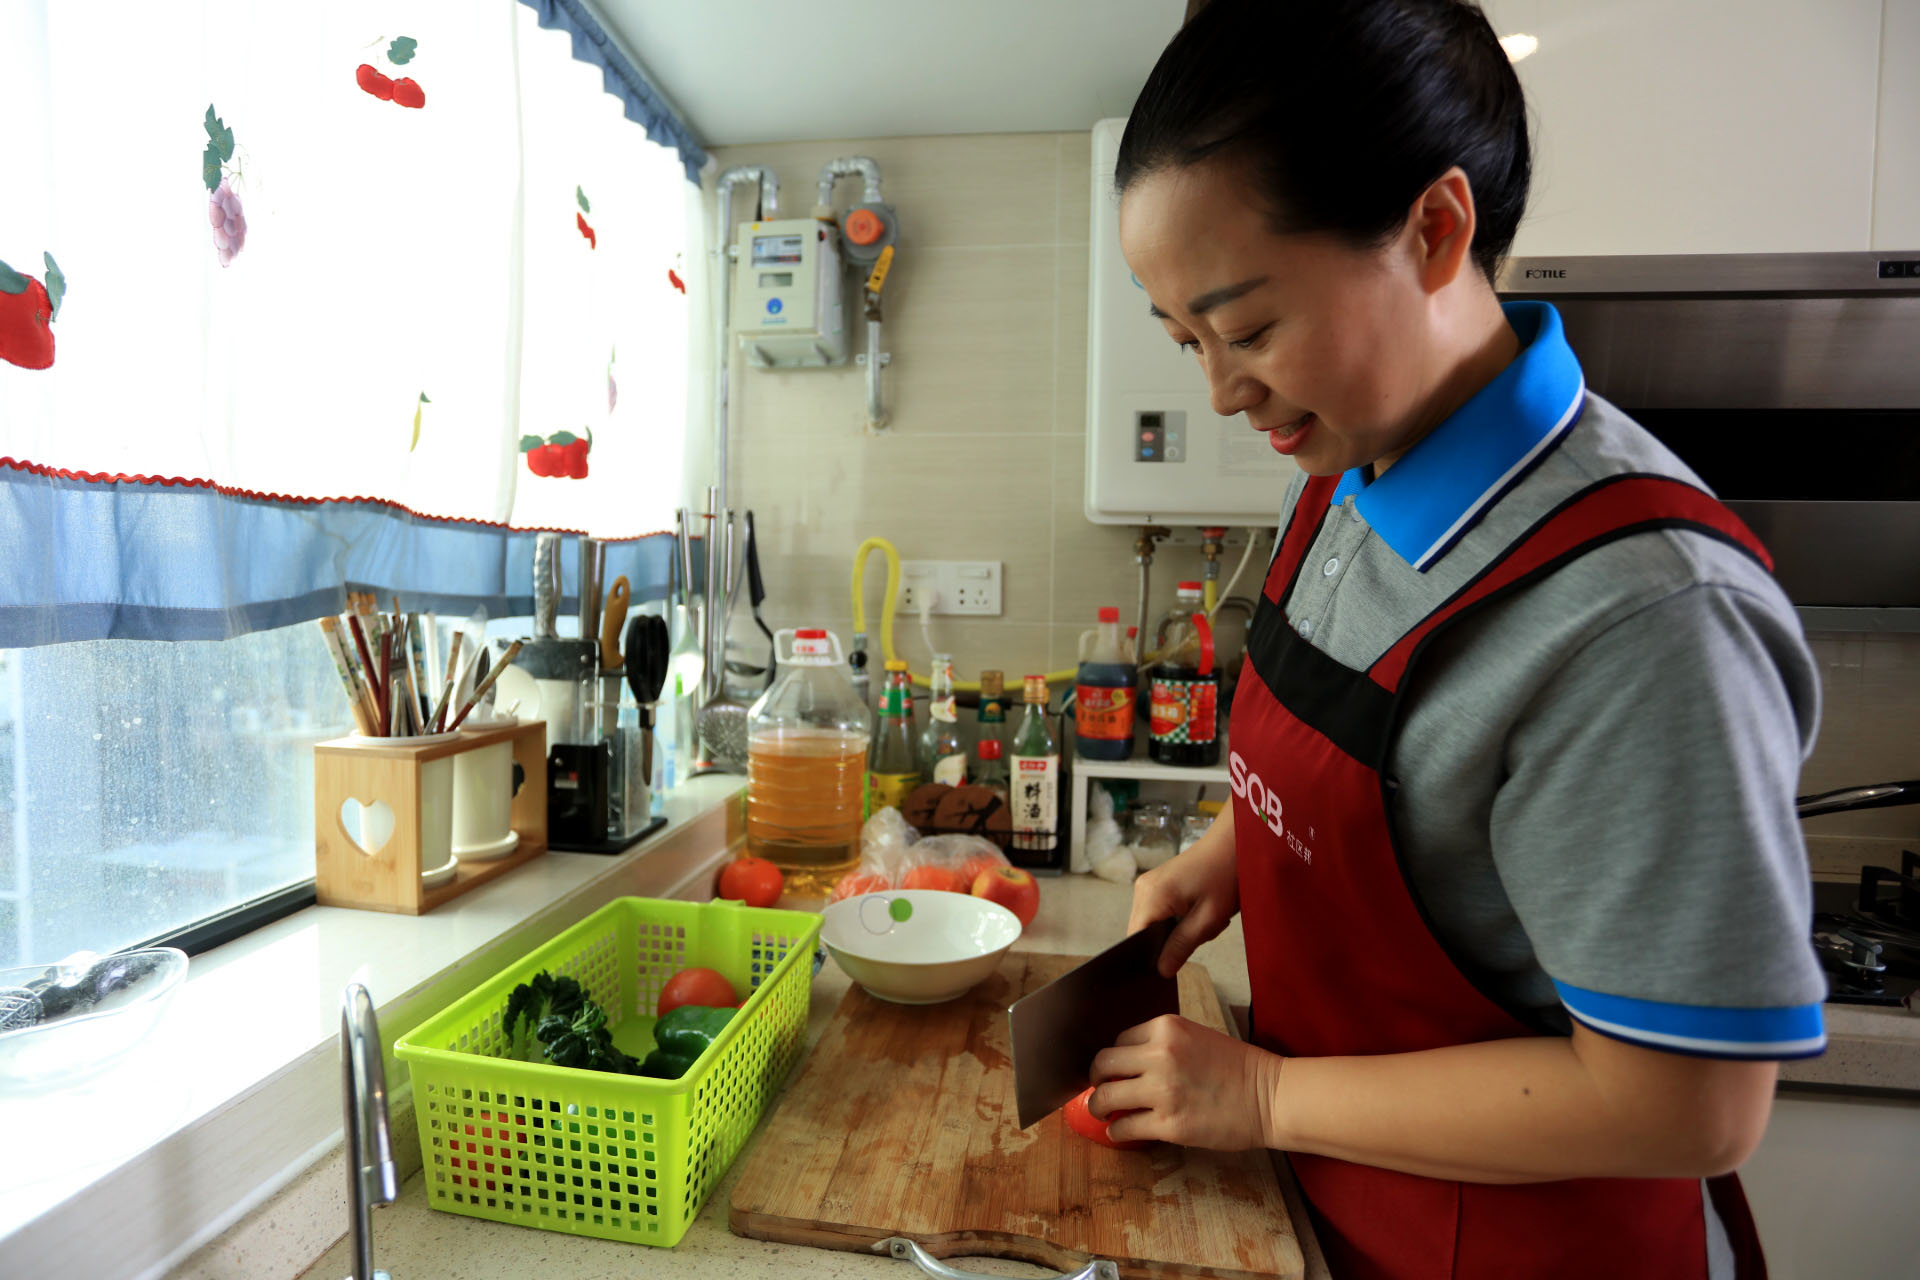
column 1104, row 692
column 806, row 764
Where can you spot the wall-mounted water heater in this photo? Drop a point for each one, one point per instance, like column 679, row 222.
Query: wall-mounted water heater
column 1156, row 451
column 788, row 296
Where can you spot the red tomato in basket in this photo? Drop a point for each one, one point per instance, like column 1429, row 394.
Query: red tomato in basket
column 754, row 881
column 701, row 987
column 1083, row 1122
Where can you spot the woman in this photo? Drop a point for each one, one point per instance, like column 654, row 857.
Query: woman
column 1523, row 702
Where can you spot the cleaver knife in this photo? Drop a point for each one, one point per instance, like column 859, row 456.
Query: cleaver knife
column 1057, row 1030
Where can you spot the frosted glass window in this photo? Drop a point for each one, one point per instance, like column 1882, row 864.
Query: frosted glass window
column 146, row 786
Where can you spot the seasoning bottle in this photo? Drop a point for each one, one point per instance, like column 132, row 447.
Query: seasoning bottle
column 1035, row 766
column 990, row 719
column 1186, row 689
column 894, row 772
column 1103, row 694
column 990, row 769
column 943, row 757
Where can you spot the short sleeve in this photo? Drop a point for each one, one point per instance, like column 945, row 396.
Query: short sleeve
column 1646, row 836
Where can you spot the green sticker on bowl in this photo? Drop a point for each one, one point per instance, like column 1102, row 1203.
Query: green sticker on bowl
column 900, row 909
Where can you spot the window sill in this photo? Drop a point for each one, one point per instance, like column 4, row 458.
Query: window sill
column 237, row 1090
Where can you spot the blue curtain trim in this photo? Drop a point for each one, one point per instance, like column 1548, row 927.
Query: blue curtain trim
column 106, row 559
column 642, row 102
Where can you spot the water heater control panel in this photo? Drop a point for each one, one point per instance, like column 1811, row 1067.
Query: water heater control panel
column 788, row 295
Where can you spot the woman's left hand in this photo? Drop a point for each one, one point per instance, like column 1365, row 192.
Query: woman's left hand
column 1188, row 1084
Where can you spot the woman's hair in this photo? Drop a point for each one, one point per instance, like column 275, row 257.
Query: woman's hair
column 1342, row 111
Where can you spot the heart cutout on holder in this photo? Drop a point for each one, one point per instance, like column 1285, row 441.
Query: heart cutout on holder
column 369, row 826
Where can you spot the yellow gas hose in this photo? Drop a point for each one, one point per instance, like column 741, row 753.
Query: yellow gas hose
column 892, row 603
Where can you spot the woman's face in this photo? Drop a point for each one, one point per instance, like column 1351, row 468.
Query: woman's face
column 1324, row 347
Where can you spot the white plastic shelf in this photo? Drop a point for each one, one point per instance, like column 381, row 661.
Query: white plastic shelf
column 1140, row 769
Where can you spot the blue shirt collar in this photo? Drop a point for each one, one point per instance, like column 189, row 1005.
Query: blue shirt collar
column 1428, row 500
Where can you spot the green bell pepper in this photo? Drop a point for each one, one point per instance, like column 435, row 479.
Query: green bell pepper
column 681, row 1037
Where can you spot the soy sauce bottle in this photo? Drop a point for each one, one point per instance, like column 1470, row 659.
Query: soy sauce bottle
column 1186, row 689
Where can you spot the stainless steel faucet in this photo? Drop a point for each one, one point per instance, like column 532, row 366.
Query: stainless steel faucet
column 371, row 1175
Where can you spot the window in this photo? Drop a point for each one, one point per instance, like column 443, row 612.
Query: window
column 427, row 279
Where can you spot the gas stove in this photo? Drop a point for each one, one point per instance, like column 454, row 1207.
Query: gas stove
column 1867, row 936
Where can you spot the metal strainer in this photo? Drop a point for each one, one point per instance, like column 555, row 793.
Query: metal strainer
column 723, row 721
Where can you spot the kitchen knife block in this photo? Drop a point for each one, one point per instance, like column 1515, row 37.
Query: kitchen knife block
column 391, row 773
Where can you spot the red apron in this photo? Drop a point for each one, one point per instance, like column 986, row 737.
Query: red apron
column 1342, row 960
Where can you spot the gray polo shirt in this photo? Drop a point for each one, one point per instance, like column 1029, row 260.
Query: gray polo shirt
column 1596, row 776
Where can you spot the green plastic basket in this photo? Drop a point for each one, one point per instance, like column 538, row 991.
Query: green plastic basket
column 591, row 1152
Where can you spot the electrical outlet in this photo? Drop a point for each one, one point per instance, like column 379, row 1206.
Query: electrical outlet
column 957, row 586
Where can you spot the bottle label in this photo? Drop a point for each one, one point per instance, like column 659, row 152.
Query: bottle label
column 1036, row 802
column 1185, row 710
column 894, row 702
column 945, row 710
column 1102, row 713
column 889, row 790
column 951, row 770
column 992, row 711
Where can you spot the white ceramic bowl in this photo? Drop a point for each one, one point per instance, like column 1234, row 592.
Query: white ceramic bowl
column 84, row 1012
column 918, row 946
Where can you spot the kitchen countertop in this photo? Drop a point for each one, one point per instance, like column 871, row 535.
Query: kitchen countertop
column 1079, row 915
column 1868, row 1049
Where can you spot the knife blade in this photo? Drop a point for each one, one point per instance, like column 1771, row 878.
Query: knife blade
column 1057, row 1030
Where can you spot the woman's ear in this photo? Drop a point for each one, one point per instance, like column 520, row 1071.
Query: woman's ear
column 1440, row 229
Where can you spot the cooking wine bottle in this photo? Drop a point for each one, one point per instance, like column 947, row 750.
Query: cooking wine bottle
column 1035, row 768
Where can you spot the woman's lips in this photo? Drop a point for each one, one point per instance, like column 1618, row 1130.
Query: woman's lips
column 1289, row 438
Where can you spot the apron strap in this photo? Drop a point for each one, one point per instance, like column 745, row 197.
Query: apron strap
column 1308, row 515
column 1616, row 507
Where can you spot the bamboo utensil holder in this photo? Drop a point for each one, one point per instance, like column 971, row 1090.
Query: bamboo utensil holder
column 393, row 773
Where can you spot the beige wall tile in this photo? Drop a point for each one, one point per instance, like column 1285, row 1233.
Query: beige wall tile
column 1070, row 341
column 972, row 336
column 1075, row 186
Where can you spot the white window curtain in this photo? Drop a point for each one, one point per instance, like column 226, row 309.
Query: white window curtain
column 411, row 298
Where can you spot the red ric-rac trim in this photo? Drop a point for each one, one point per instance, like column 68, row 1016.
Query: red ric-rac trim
column 1612, row 507
column 254, row 495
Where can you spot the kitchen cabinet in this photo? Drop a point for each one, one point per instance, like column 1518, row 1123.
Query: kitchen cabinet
column 1896, row 161
column 1706, row 126
column 1832, row 1186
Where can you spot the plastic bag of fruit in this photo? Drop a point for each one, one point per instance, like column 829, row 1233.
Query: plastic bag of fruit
column 884, row 843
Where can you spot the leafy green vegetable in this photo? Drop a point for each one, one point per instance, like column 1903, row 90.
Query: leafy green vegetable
column 583, row 1041
column 530, row 1006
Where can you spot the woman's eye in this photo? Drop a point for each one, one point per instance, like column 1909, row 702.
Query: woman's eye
column 1189, row 347
column 1243, row 344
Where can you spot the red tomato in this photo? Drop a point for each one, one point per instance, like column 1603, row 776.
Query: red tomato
column 701, row 987
column 1087, row 1125
column 754, row 881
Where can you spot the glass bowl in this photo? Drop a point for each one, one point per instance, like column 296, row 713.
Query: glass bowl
column 68, row 1020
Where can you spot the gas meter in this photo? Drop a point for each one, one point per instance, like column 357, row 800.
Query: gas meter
column 788, row 306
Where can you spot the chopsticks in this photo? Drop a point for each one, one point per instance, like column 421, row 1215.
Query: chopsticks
column 378, row 672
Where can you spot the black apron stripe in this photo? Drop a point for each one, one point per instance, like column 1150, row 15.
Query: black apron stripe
column 1342, row 704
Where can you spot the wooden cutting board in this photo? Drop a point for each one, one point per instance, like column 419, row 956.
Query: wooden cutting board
column 902, row 1123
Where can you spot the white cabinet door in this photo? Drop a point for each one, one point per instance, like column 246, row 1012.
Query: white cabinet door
column 1896, row 183
column 1699, row 126
column 1832, row 1188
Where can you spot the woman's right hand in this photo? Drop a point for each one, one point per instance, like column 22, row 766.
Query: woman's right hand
column 1200, row 886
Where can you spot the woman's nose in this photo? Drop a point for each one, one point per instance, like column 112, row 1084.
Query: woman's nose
column 1230, row 390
